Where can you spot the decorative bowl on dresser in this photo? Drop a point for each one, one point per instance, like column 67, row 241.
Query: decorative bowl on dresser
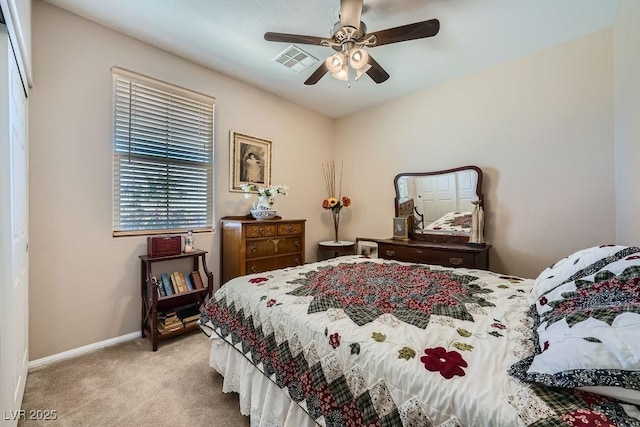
column 252, row 246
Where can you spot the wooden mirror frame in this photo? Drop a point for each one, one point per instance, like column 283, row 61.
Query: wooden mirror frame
column 406, row 208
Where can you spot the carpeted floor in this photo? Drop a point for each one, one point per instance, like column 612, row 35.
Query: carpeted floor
column 130, row 385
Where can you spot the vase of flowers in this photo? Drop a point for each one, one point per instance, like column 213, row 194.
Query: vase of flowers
column 263, row 203
column 262, row 208
column 335, row 200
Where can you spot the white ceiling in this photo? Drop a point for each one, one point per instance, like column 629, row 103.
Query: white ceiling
column 227, row 36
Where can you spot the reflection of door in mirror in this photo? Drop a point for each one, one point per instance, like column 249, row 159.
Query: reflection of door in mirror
column 438, row 195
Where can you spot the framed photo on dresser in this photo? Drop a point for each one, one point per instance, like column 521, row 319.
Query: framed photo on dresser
column 366, row 248
column 401, row 228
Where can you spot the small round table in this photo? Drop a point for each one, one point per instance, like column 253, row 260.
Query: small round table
column 330, row 249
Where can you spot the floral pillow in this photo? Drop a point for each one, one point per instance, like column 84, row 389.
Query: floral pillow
column 581, row 262
column 586, row 313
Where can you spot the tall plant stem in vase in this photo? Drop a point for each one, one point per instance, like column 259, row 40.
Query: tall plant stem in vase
column 335, row 215
column 335, row 200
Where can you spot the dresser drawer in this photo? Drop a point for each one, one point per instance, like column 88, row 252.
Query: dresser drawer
column 267, row 247
column 254, row 231
column 289, row 229
column 268, row 264
column 259, row 248
column 289, row 245
column 447, row 258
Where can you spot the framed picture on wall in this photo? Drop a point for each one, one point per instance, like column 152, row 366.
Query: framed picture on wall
column 250, row 158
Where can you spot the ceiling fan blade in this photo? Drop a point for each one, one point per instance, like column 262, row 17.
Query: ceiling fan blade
column 376, row 72
column 293, row 38
column 317, row 74
column 419, row 30
column 350, row 11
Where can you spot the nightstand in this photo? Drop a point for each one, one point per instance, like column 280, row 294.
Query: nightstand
column 330, row 249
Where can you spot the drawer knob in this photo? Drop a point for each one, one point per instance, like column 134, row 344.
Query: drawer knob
column 254, row 269
column 290, row 228
column 261, row 231
column 253, row 249
column 297, row 261
column 390, row 253
column 456, row 261
column 297, row 244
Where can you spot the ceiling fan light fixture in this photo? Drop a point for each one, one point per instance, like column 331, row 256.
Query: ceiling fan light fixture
column 342, row 73
column 359, row 58
column 336, row 62
column 362, row 70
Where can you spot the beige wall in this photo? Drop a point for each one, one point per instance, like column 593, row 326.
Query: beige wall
column 627, row 107
column 541, row 128
column 85, row 284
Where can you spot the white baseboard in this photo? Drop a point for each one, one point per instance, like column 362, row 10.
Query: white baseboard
column 82, row 350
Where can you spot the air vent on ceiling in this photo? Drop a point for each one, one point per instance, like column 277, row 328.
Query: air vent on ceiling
column 295, row 58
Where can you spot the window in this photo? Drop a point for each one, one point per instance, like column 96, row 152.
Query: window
column 162, row 157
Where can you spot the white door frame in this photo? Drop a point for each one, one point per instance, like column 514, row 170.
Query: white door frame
column 14, row 261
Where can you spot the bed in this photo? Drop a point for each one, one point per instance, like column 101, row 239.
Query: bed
column 451, row 222
column 355, row 341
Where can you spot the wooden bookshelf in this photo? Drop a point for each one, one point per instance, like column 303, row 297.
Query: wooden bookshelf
column 152, row 302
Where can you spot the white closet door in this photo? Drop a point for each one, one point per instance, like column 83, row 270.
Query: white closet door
column 14, row 261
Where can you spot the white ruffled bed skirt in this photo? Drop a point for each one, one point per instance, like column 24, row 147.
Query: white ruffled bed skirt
column 260, row 399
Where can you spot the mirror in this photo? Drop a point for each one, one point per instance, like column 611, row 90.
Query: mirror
column 439, row 202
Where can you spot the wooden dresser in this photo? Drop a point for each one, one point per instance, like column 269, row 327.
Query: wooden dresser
column 253, row 246
column 445, row 254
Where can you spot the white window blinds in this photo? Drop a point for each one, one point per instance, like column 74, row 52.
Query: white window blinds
column 162, row 157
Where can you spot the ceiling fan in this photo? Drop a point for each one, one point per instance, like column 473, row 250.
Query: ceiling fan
column 349, row 37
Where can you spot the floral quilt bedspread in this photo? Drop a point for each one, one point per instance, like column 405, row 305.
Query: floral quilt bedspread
column 371, row 342
column 452, row 222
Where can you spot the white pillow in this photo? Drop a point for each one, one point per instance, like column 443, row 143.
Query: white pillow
column 562, row 270
column 587, row 324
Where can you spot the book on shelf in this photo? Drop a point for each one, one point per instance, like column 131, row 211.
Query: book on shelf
column 175, row 278
column 169, row 321
column 173, row 283
column 189, row 324
column 166, row 313
column 183, row 282
column 180, row 278
column 176, row 284
column 193, row 317
column 166, row 329
column 166, row 282
column 187, row 311
column 188, row 282
column 196, row 279
column 167, row 316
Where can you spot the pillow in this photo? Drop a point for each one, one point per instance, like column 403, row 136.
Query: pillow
column 573, row 264
column 587, row 324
